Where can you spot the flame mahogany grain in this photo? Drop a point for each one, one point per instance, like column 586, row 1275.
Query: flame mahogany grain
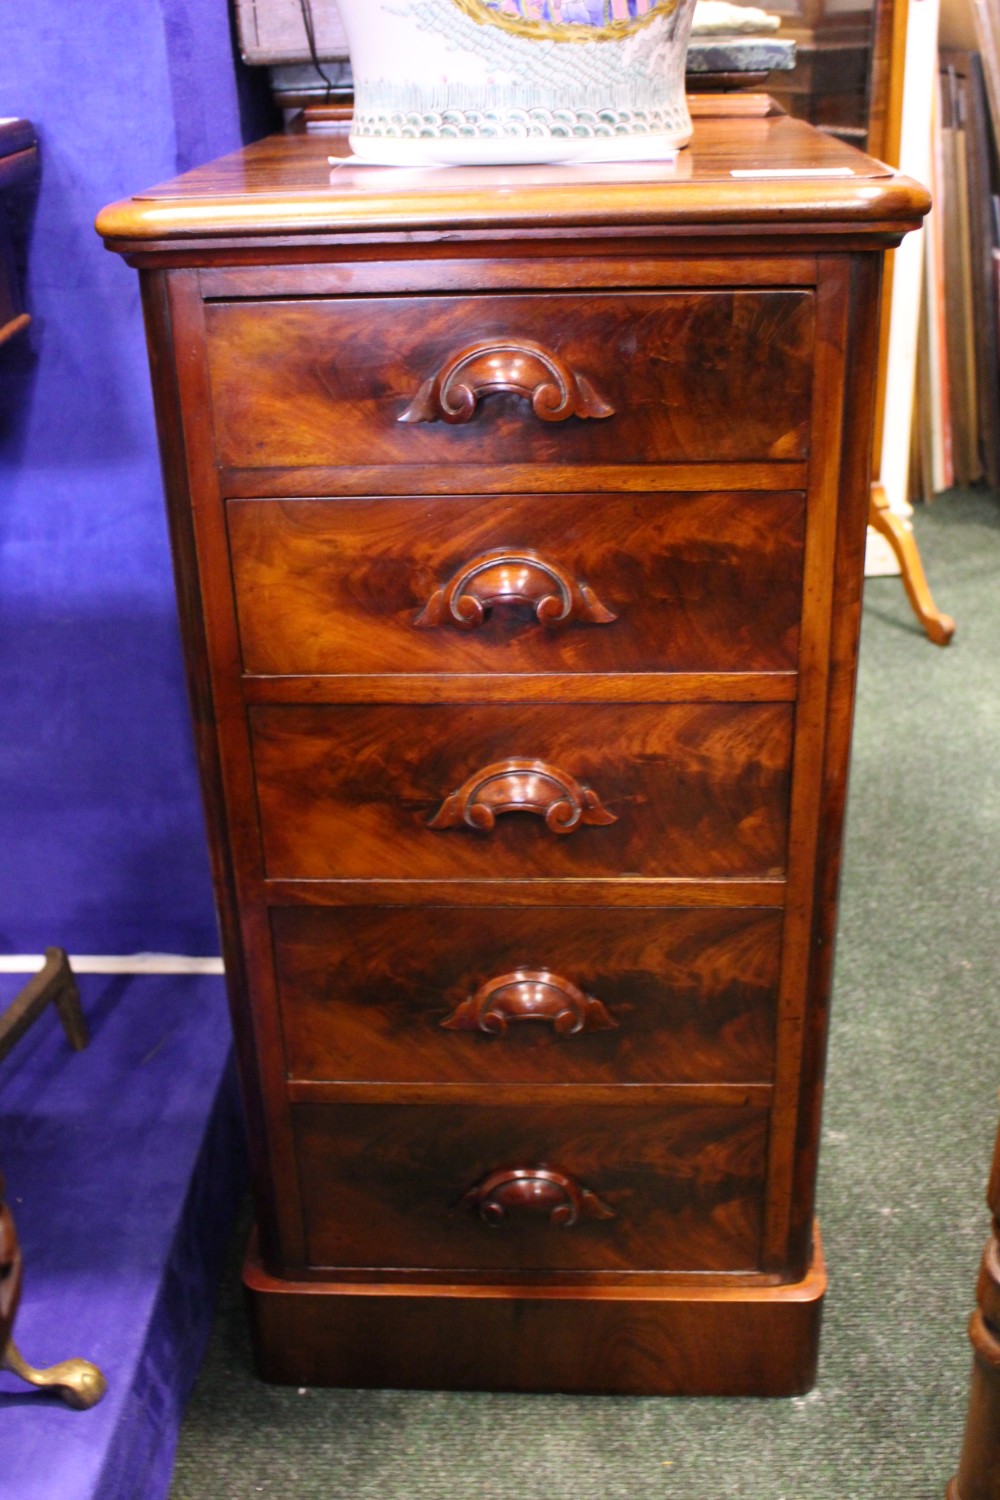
column 695, row 790
column 365, row 993
column 698, row 582
column 385, row 1185
column 327, row 381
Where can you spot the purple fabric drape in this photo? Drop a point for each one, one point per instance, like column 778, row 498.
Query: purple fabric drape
column 123, row 1163
column 100, row 821
column 124, row 1166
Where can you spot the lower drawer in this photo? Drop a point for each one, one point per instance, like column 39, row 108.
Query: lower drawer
column 562, row 1187
column 528, row 994
column 494, row 791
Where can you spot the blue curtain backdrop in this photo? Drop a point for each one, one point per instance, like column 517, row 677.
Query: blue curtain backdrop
column 102, row 846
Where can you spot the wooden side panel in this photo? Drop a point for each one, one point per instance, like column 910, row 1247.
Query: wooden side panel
column 686, row 790
column 384, row 995
column 679, row 1187
column 845, row 634
column 169, row 302
column 795, row 1000
column 685, row 375
column 175, row 329
column 541, row 583
column 847, row 321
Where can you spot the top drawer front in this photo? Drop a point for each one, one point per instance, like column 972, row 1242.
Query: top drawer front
column 690, row 376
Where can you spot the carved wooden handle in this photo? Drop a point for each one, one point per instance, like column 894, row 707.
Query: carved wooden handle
column 521, row 786
column 530, row 995
column 494, row 365
column 504, row 577
column 534, row 1191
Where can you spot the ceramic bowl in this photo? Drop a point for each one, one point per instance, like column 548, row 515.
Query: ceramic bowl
column 496, row 81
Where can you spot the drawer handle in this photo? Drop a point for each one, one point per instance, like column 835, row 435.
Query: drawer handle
column 505, row 577
column 499, row 365
column 530, row 995
column 534, row 1191
column 521, row 786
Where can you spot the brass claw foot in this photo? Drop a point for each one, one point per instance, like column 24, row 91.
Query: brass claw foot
column 79, row 1383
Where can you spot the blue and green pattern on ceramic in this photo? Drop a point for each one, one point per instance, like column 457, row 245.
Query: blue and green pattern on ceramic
column 501, row 76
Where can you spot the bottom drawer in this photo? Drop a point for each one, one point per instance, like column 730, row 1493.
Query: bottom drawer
column 562, row 1187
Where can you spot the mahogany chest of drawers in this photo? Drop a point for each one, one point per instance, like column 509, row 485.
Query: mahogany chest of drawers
column 518, row 520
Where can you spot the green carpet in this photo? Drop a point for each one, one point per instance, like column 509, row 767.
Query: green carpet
column 911, row 1113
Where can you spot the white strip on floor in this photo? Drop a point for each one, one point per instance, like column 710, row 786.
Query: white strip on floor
column 115, row 963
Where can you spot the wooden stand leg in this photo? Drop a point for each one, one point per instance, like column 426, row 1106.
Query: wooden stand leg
column 939, row 628
column 978, row 1476
column 54, row 984
column 77, row 1381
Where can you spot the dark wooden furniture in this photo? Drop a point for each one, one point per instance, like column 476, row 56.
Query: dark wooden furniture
column 978, row 1476
column 519, row 519
column 18, row 172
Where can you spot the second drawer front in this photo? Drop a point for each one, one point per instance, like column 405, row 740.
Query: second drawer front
column 528, row 995
column 560, row 583
column 493, row 792
column 675, row 1187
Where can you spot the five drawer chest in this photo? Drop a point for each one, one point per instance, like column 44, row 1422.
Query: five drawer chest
column 518, row 519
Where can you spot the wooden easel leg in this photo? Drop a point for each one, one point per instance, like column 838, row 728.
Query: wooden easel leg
column 939, row 628
column 66, row 999
column 978, row 1476
column 54, row 984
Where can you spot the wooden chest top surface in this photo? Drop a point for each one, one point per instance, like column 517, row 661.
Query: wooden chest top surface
column 767, row 172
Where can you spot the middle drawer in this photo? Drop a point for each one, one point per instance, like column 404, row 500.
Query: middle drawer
column 496, row 791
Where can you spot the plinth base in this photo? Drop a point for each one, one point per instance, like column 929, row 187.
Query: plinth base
column 622, row 1340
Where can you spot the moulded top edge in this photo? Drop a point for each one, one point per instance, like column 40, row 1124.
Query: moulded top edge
column 767, row 173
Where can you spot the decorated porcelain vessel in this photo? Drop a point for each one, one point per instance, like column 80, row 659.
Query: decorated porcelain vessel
column 473, row 81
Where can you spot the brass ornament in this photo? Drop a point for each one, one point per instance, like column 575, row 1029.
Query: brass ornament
column 79, row 1383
